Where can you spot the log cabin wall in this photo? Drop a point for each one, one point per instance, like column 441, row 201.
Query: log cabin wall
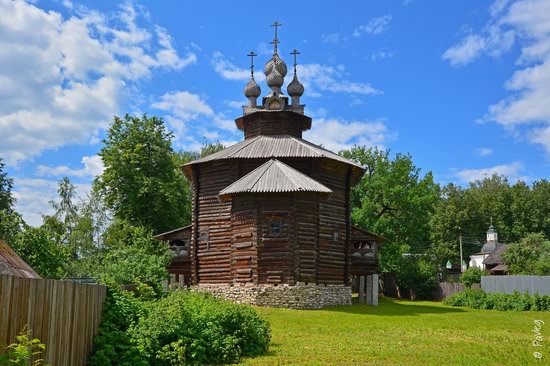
column 276, row 252
column 333, row 231
column 244, row 238
column 211, row 239
column 269, row 123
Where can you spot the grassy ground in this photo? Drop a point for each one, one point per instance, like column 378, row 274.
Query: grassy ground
column 403, row 333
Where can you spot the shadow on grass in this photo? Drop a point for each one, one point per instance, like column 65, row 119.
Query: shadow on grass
column 392, row 307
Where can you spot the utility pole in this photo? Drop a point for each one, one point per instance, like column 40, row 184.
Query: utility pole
column 460, row 241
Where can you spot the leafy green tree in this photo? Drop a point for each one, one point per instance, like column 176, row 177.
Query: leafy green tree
column 131, row 255
column 6, row 186
column 11, row 224
column 472, row 275
column 394, row 200
column 418, row 275
column 40, row 248
column 531, row 256
column 516, row 210
column 142, row 183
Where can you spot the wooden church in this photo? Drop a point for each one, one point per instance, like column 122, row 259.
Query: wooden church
column 271, row 214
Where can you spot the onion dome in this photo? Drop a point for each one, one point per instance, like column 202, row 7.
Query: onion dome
column 295, row 88
column 274, row 79
column 252, row 89
column 279, row 65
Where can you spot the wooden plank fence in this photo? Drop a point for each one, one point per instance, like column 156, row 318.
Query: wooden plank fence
column 64, row 315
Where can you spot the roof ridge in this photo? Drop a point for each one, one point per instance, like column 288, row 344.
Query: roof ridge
column 292, row 169
column 270, row 161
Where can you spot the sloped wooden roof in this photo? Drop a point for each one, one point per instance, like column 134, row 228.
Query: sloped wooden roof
column 273, row 146
column 274, row 176
column 496, row 255
column 360, row 234
column 12, row 264
column 179, row 233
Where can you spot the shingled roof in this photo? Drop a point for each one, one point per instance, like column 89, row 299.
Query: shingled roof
column 274, row 176
column 496, row 255
column 273, row 146
column 11, row 264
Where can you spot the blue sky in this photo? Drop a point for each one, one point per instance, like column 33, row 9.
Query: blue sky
column 463, row 86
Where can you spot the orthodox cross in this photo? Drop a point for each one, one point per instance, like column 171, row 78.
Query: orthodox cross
column 252, row 55
column 295, row 53
column 275, row 41
column 491, row 220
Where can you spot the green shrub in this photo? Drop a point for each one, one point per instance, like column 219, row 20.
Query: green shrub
column 113, row 345
column 472, row 275
column 195, row 328
column 23, row 351
column 478, row 299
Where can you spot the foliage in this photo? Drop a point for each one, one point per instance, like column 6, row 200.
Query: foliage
column 393, row 200
column 131, row 255
column 6, row 185
column 25, row 351
column 417, row 275
column 478, row 299
column 196, row 328
column 517, row 210
column 472, row 275
column 141, row 182
column 11, row 224
column 40, row 248
column 113, row 345
column 531, row 256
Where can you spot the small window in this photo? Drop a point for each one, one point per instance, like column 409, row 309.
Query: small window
column 203, row 236
column 275, row 228
column 336, row 235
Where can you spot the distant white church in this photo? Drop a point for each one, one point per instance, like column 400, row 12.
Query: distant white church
column 490, row 257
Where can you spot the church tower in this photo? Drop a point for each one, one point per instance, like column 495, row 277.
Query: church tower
column 271, row 214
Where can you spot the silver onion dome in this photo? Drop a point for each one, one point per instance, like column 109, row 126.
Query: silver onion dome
column 295, row 88
column 274, row 79
column 252, row 89
column 279, row 64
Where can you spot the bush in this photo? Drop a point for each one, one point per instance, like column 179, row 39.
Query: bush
column 478, row 299
column 471, row 275
column 113, row 345
column 22, row 352
column 195, row 328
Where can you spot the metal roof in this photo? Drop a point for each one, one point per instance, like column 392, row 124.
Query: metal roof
column 274, row 176
column 274, row 146
column 12, row 264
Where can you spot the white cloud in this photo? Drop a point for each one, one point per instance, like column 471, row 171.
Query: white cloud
column 333, row 38
column 466, row 51
column 229, row 71
column 381, row 54
column 93, row 166
column 315, row 77
column 182, row 108
column 235, row 104
column 483, row 151
column 374, row 26
column 337, row 134
column 63, row 78
column 526, row 111
column 511, row 171
column 33, row 197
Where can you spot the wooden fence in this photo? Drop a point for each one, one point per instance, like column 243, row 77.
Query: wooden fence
column 62, row 314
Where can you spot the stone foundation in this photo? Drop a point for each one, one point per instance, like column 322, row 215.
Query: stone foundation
column 300, row 296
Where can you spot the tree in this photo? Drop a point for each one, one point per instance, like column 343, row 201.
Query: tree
column 531, row 256
column 142, row 183
column 40, row 248
column 471, row 276
column 6, row 185
column 393, row 200
column 516, row 210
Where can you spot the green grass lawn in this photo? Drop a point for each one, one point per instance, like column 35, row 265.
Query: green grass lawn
column 403, row 333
